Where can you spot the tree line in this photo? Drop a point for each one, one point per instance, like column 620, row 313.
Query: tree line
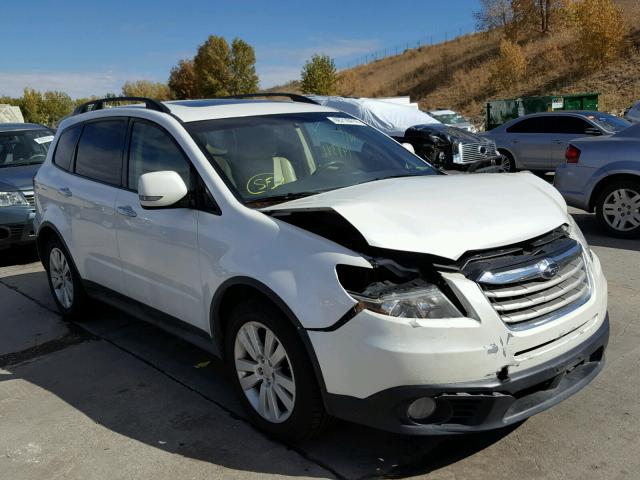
column 217, row 69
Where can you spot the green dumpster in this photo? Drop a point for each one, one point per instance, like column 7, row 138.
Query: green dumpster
column 501, row 111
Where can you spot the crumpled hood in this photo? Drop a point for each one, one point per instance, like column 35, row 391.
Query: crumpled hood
column 17, row 178
column 444, row 215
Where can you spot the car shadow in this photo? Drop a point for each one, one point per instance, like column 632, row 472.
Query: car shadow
column 173, row 396
column 18, row 255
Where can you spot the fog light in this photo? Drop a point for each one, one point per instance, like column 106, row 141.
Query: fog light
column 421, row 408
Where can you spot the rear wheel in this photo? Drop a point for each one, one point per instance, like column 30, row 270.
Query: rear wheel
column 272, row 373
column 64, row 282
column 618, row 209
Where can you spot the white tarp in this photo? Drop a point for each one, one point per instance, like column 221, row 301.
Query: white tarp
column 391, row 118
column 10, row 114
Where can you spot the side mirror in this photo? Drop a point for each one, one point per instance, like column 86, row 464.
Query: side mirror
column 161, row 189
column 592, row 131
column 409, row 147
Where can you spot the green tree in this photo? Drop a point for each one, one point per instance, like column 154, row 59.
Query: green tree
column 319, row 76
column 243, row 77
column 212, row 67
column 55, row 106
column 183, row 82
column 146, row 88
column 31, row 106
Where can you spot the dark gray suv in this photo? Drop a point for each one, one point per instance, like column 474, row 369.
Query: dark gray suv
column 23, row 148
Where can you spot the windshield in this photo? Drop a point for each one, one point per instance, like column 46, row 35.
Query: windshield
column 449, row 118
column 274, row 158
column 24, row 147
column 610, row 123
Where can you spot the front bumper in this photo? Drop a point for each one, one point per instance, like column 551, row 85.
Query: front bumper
column 482, row 405
column 16, row 226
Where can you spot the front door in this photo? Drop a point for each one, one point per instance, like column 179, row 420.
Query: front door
column 159, row 247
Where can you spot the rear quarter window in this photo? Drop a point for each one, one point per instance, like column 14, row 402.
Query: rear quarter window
column 63, row 156
column 100, row 151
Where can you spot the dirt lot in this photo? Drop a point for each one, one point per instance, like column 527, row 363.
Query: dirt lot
column 114, row 398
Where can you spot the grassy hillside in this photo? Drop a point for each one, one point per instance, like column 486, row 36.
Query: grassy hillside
column 455, row 74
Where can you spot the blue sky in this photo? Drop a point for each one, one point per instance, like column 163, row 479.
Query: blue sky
column 90, row 47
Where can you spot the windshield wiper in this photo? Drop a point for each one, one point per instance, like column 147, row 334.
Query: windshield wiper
column 402, row 175
column 285, row 197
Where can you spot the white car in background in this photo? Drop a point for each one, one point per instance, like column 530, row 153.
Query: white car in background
column 334, row 272
column 453, row 119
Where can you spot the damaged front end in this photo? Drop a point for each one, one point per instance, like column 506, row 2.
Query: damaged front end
column 450, row 148
column 398, row 284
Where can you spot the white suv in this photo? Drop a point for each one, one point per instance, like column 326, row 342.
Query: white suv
column 336, row 273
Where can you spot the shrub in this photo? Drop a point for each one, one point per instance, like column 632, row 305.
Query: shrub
column 509, row 68
column 600, row 29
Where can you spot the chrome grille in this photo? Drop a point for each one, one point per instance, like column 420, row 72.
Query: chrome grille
column 527, row 302
column 474, row 152
column 30, row 198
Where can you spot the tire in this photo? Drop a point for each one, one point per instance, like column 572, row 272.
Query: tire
column 64, row 282
column 289, row 383
column 618, row 209
column 508, row 162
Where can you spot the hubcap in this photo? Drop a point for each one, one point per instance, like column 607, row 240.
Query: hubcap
column 505, row 164
column 265, row 372
column 621, row 210
column 61, row 279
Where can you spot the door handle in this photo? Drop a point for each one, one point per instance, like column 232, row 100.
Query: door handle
column 126, row 210
column 515, row 141
column 65, row 191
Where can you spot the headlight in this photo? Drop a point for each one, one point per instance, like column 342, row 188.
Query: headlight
column 9, row 199
column 424, row 302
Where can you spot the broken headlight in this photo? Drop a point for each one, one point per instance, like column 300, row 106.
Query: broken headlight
column 418, row 301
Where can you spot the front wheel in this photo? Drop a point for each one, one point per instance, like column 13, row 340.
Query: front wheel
column 507, row 162
column 618, row 209
column 272, row 373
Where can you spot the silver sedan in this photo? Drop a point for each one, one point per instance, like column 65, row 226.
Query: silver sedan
column 538, row 141
column 603, row 174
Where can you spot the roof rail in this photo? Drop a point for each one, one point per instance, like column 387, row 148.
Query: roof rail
column 149, row 103
column 294, row 97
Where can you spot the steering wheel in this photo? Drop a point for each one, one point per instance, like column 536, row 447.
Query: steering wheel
column 330, row 165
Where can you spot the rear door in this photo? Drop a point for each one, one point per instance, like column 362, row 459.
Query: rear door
column 90, row 197
column 566, row 128
column 530, row 142
column 159, row 247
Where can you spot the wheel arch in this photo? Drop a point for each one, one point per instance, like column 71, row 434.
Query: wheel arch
column 607, row 181
column 505, row 150
column 46, row 232
column 240, row 288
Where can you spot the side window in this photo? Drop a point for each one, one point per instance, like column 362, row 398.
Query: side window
column 100, row 151
column 63, row 155
column 153, row 150
column 531, row 125
column 567, row 124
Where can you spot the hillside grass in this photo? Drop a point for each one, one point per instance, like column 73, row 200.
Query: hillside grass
column 456, row 74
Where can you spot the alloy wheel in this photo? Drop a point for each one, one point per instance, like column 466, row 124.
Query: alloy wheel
column 621, row 209
column 61, row 279
column 265, row 372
